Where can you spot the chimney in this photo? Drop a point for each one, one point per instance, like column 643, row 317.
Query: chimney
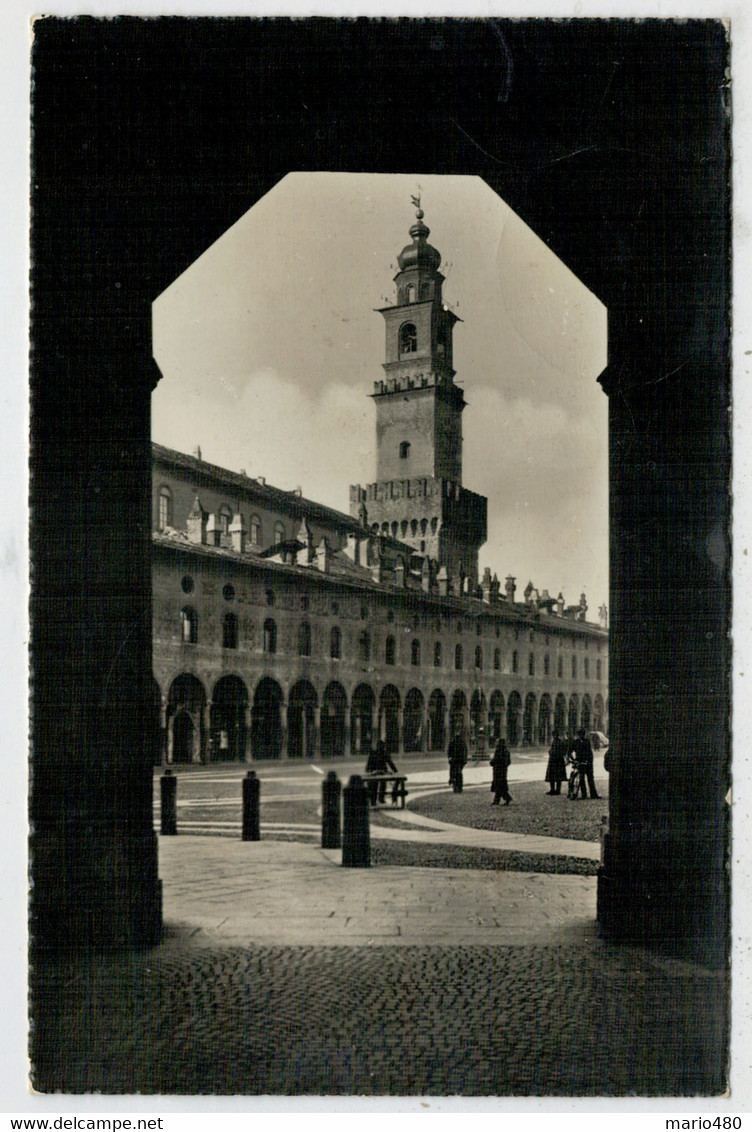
column 306, row 537
column 603, row 617
column 322, row 556
column 560, row 604
column 495, row 587
column 195, row 525
column 197, row 452
column 510, row 588
column 582, row 614
column 425, row 576
column 238, row 534
column 213, row 531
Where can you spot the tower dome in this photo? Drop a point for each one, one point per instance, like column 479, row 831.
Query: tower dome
column 419, row 253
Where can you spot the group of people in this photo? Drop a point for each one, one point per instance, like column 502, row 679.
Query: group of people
column 457, row 752
column 580, row 755
column 563, row 752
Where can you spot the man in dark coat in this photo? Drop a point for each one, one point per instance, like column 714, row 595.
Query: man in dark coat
column 583, row 753
column 379, row 762
column 556, row 771
column 500, row 763
column 457, row 758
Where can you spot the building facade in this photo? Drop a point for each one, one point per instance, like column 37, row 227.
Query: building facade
column 286, row 629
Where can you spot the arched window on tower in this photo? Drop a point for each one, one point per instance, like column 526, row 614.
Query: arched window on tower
column 458, row 657
column 335, row 643
column 404, row 449
column 408, row 338
column 364, row 647
column 479, row 657
column 410, row 292
column 415, row 657
column 389, row 651
column 304, row 639
column 255, row 530
column 497, row 659
column 437, row 655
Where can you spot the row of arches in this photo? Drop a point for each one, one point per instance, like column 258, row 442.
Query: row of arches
column 233, row 726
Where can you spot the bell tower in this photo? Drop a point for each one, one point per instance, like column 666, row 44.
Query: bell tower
column 418, row 496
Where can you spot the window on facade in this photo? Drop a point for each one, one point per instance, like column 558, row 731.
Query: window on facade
column 479, row 657
column 560, row 667
column 408, row 338
column 574, row 667
column 225, row 519
column 364, row 648
column 497, row 659
column 414, row 528
column 458, row 657
column 228, row 592
column 404, row 449
column 165, row 508
column 437, row 655
column 279, row 533
column 255, row 530
column 479, row 628
column 364, row 612
column 389, row 651
column 515, row 661
column 587, row 668
column 230, row 631
column 270, row 636
column 186, row 584
column 335, row 643
column 415, row 653
column 270, row 597
column 403, row 527
column 304, row 639
column 395, row 529
column 335, row 607
column 546, row 665
column 304, row 602
column 531, row 664
column 423, row 526
column 189, row 625
column 598, row 670
column 410, row 292
column 434, row 525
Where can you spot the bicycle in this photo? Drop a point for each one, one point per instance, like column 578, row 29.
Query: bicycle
column 575, row 780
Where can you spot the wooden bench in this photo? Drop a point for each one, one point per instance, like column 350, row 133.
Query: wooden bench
column 399, row 790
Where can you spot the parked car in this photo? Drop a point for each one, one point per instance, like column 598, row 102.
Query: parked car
column 598, row 740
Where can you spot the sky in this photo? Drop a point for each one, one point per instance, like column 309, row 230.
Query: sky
column 269, row 345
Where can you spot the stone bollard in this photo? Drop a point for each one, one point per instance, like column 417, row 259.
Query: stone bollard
column 169, row 792
column 251, row 788
column 356, row 841
column 331, row 791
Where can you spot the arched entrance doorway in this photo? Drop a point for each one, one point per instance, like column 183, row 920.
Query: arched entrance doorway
column 574, row 715
column 544, row 721
column 228, row 720
column 529, row 721
column 587, row 713
column 457, row 714
column 333, row 715
column 413, row 723
column 495, row 717
column 301, row 721
column 182, row 737
column 514, row 719
column 389, row 722
column 266, row 720
column 598, row 715
column 477, row 736
column 436, row 721
column 361, row 720
column 560, row 715
column 186, row 741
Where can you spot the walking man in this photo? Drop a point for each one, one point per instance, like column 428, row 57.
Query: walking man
column 583, row 753
column 457, row 758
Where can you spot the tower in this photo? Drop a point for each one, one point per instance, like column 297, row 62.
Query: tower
column 418, row 495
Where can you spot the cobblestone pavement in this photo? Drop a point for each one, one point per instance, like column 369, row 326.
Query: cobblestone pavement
column 476, row 1021
column 441, row 982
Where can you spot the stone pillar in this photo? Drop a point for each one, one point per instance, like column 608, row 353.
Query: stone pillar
column 246, row 755
column 285, row 754
column 316, row 732
column 401, row 730
column 202, row 750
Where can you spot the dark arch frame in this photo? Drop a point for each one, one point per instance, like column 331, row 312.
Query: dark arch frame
column 617, row 214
